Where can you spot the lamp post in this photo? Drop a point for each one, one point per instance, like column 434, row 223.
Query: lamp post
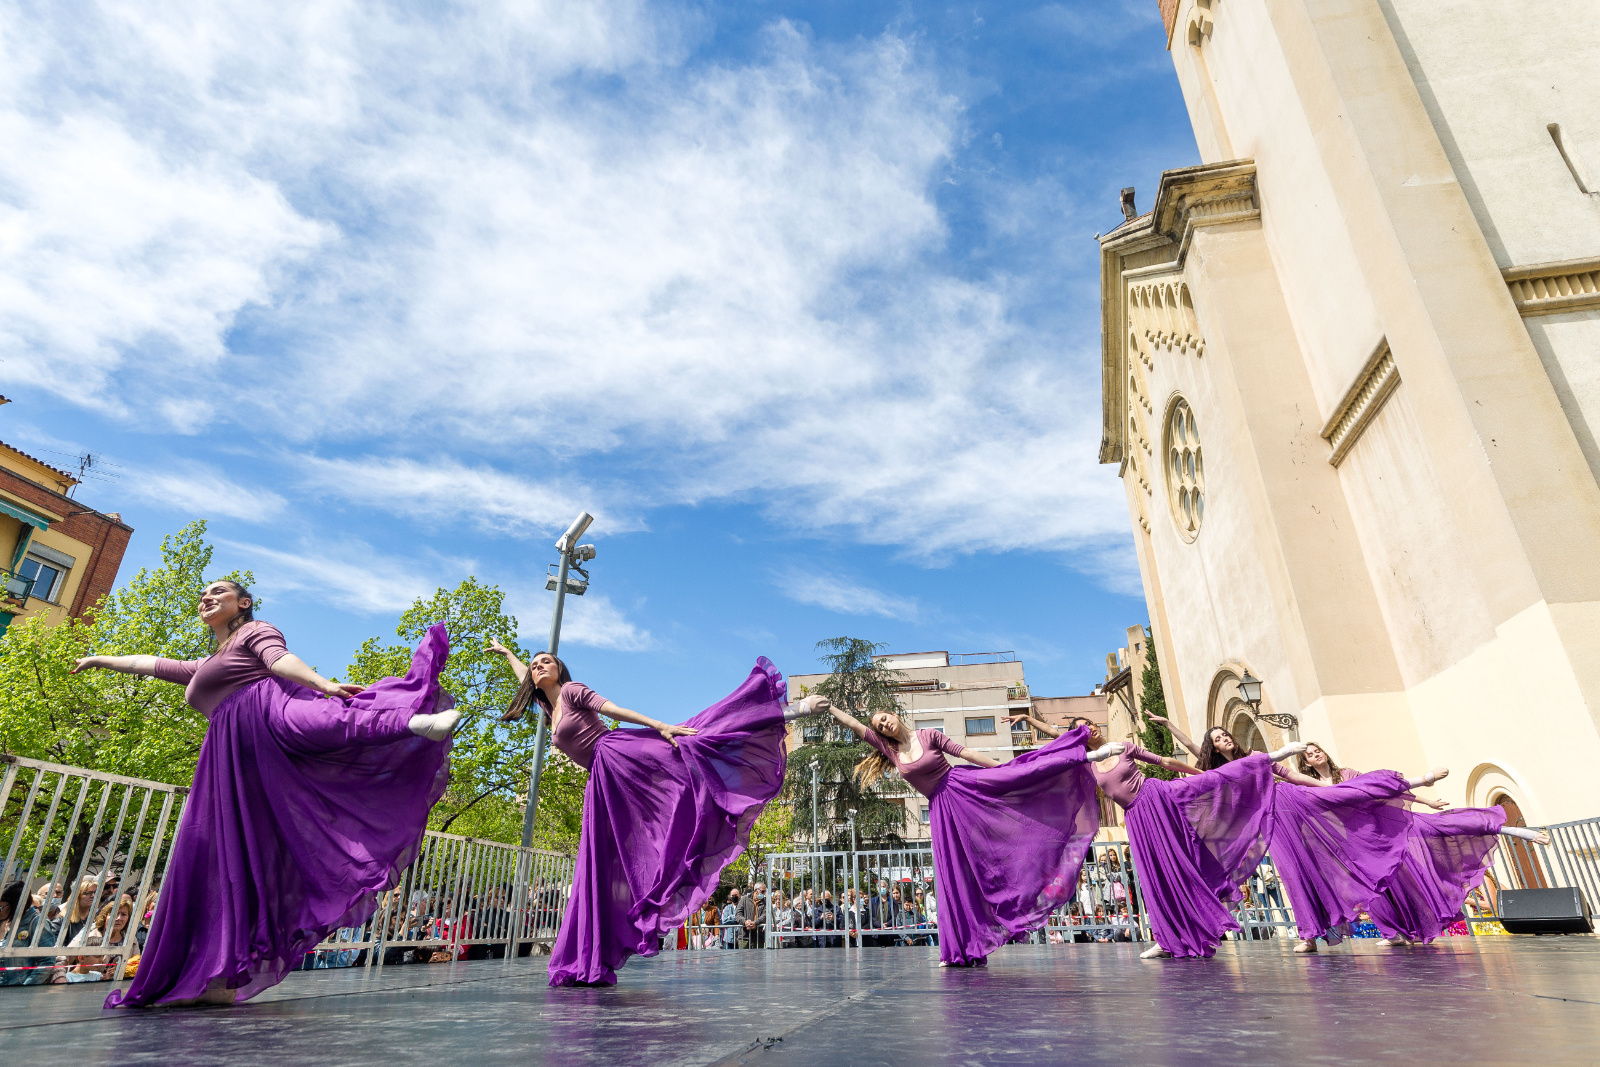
column 816, row 843
column 573, row 556
column 1250, row 693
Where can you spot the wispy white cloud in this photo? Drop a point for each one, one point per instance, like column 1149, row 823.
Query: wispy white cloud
column 591, row 620
column 844, row 595
column 444, row 488
column 347, row 575
column 201, row 489
column 422, row 234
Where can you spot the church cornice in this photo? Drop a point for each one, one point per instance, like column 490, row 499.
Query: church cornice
column 1552, row 288
column 1147, row 254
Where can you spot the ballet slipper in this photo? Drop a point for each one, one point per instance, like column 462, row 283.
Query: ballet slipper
column 1393, row 942
column 803, row 707
column 435, row 727
column 1155, row 952
column 1293, row 748
column 1306, row 946
column 1110, row 748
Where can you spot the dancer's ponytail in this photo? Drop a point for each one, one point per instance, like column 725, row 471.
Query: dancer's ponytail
column 872, row 770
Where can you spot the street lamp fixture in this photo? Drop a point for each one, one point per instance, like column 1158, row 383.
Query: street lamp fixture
column 573, row 555
column 1250, row 693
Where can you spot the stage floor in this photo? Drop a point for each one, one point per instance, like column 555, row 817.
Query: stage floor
column 1493, row 1000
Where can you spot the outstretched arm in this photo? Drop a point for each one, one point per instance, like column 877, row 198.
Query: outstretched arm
column 518, row 668
column 670, row 734
column 1178, row 765
column 1181, row 737
column 976, row 757
column 144, row 666
column 294, row 668
column 1289, row 774
column 843, row 718
column 1043, row 727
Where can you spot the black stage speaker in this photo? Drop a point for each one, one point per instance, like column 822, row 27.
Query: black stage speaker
column 1545, row 911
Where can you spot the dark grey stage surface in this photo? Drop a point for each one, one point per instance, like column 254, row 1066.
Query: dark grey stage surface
column 1489, row 1001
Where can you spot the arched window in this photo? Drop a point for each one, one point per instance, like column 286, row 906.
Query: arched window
column 1185, row 470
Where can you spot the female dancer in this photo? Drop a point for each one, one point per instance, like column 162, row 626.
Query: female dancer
column 1338, row 836
column 1008, row 839
column 666, row 808
column 1194, row 839
column 1443, row 859
column 303, row 808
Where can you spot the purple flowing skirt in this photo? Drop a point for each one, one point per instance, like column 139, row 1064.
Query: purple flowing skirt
column 1334, row 846
column 303, row 810
column 1194, row 840
column 1445, row 859
column 1007, row 845
column 660, row 823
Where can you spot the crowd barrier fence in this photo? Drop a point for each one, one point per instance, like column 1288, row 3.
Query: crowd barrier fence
column 65, row 827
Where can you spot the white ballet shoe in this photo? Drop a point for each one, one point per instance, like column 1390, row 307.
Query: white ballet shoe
column 1110, row 748
column 803, row 707
column 435, row 727
column 1393, row 942
column 1155, row 952
column 1306, row 946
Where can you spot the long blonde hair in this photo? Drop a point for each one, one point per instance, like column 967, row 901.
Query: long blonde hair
column 872, row 770
column 73, row 914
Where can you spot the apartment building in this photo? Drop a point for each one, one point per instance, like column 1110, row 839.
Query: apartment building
column 965, row 695
column 60, row 555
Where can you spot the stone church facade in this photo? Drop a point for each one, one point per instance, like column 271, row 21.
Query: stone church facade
column 1351, row 380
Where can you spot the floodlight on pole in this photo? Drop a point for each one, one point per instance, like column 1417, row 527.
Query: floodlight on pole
column 573, row 555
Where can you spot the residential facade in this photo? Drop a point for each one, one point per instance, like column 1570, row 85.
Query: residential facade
column 967, row 696
column 59, row 556
column 1349, row 382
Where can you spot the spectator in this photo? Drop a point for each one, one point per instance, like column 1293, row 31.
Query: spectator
column 78, row 916
column 1102, row 933
column 110, row 927
column 879, row 915
column 896, row 915
column 801, row 919
column 147, row 913
column 753, row 916
column 732, row 927
column 828, row 919
column 18, row 911
column 850, row 917
column 931, row 909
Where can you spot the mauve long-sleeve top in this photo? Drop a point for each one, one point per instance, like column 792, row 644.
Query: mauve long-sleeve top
column 927, row 771
column 579, row 728
column 1123, row 781
column 246, row 659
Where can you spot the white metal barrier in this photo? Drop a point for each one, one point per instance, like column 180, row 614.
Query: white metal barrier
column 66, row 829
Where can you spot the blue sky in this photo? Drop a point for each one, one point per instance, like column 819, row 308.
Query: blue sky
column 799, row 299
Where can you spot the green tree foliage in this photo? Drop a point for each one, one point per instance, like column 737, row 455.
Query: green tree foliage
column 1153, row 701
column 772, row 832
column 859, row 685
column 490, row 760
column 114, row 722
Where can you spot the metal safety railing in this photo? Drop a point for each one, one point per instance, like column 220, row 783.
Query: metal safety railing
column 89, row 848
column 92, row 848
column 1570, row 860
column 1108, row 905
column 840, row 899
